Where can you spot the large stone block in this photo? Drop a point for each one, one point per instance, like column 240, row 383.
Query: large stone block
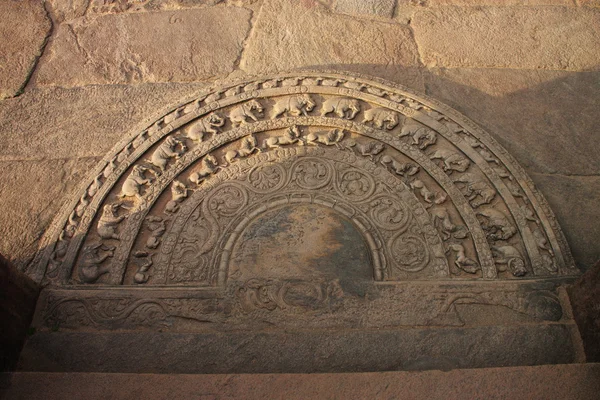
column 176, row 46
column 23, row 29
column 299, row 351
column 585, row 299
column 289, row 35
column 509, row 37
column 379, row 8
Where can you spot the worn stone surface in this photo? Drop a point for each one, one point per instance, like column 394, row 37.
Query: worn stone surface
column 379, row 8
column 289, row 35
column 574, row 199
column 18, row 295
column 509, row 37
column 23, row 29
column 47, row 183
column 477, row 3
column 569, row 382
column 36, row 127
column 325, row 351
column 546, row 119
column 585, row 299
column 161, row 47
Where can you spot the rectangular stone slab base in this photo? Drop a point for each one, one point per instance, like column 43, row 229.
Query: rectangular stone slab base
column 301, row 351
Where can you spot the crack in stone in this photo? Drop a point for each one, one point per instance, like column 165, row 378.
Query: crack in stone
column 41, row 52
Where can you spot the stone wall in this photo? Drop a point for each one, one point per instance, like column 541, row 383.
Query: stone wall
column 78, row 75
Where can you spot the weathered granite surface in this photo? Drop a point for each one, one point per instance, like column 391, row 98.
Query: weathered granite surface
column 585, row 300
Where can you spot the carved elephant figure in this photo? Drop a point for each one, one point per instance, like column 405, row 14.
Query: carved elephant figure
column 134, row 182
column 209, row 124
column 496, row 224
column 295, row 106
column 381, row 117
column 244, row 112
column 342, row 107
column 166, row 151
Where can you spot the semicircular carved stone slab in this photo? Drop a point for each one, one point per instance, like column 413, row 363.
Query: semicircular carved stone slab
column 289, row 175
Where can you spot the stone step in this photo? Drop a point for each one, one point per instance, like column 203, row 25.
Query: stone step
column 560, row 381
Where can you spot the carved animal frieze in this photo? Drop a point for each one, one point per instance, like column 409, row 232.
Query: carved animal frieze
column 251, row 110
column 508, row 257
column 92, row 258
column 179, row 192
column 402, row 169
column 461, row 261
column 342, row 107
column 209, row 124
column 329, row 138
column 107, row 224
column 466, row 189
column 427, row 195
column 368, row 149
column 291, row 135
column 294, row 106
column 477, row 191
column 496, row 224
column 422, row 137
column 166, row 151
column 381, row 118
column 134, row 182
column 247, row 147
column 208, row 166
column 144, row 262
column 452, row 161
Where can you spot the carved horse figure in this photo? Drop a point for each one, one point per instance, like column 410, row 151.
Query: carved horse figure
column 209, row 124
column 295, row 106
column 166, row 151
column 380, row 117
column 247, row 147
column 401, row 169
column 134, row 182
column 341, row 106
column 291, row 136
column 245, row 111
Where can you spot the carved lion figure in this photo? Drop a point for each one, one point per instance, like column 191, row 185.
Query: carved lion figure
column 381, row 117
column 295, row 106
column 90, row 268
column 107, row 224
column 247, row 147
column 208, row 124
column 342, row 107
column 245, row 111
column 291, row 136
column 331, row 137
column 134, row 182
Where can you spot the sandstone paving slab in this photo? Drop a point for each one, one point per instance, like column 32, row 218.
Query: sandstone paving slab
column 23, row 29
column 381, row 8
column 174, row 46
column 575, row 200
column 547, row 120
column 496, row 2
column 509, row 37
column 574, row 381
column 291, row 35
column 80, row 122
column 31, row 193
